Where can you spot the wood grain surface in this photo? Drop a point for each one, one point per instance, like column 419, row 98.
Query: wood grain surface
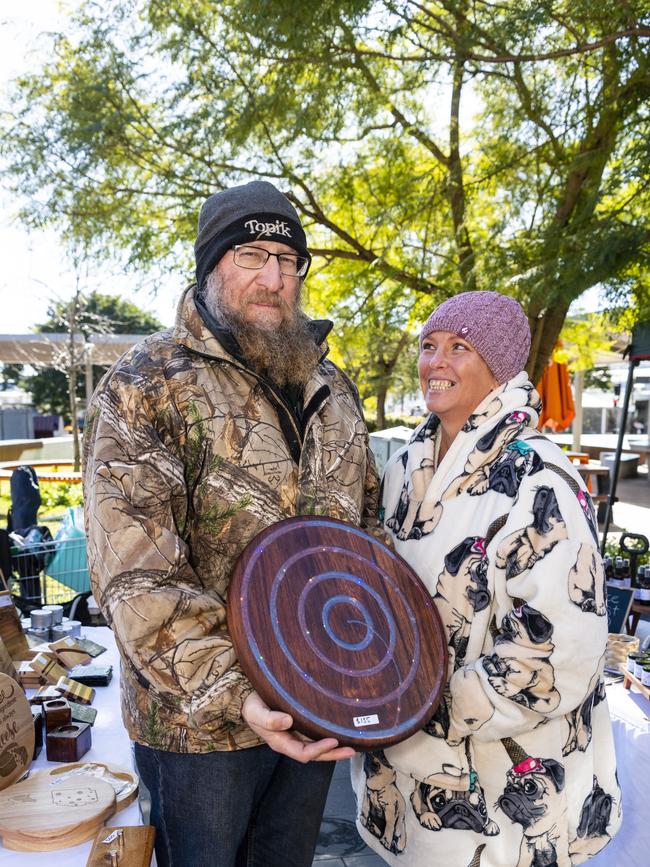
column 124, row 780
column 333, row 627
column 41, row 814
column 16, row 732
column 135, row 849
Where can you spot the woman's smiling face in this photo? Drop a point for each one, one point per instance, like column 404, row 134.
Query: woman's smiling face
column 453, row 377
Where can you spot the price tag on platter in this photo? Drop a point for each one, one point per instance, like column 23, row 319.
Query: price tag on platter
column 336, row 629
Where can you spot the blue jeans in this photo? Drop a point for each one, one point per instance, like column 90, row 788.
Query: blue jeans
column 247, row 808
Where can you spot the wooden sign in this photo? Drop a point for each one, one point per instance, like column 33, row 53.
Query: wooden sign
column 40, row 814
column 16, row 732
column 336, row 629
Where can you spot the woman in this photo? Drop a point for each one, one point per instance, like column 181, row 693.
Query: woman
column 517, row 766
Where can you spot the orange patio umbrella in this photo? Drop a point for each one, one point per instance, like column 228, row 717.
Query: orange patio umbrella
column 558, row 409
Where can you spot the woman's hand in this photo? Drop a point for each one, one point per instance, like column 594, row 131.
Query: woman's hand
column 273, row 727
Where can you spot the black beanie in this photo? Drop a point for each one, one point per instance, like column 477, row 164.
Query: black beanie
column 251, row 212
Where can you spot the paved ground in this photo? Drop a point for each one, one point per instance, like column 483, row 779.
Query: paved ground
column 339, row 845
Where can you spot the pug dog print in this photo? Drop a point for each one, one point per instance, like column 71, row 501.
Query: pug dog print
column 519, row 668
column 437, row 804
column 461, row 591
column 579, row 720
column 476, row 473
column 587, row 582
column 517, row 461
column 522, row 549
column 533, row 799
column 476, row 419
column 594, row 818
column 383, row 812
column 414, row 518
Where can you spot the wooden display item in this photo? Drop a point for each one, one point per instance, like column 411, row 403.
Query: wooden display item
column 629, row 679
column 16, row 732
column 336, row 629
column 68, row 743
column 134, row 846
column 28, row 677
column 47, row 666
column 45, row 693
column 36, row 816
column 11, row 630
column 69, row 653
column 75, row 691
column 6, row 662
column 57, row 713
column 127, row 779
column 37, row 716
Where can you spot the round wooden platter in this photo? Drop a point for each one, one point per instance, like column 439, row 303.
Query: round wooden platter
column 16, row 732
column 126, row 779
column 41, row 814
column 336, row 629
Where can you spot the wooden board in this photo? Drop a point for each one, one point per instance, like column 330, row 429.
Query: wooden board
column 629, row 679
column 16, row 732
column 41, row 814
column 333, row 627
column 6, row 662
column 135, row 849
column 125, row 781
column 11, row 630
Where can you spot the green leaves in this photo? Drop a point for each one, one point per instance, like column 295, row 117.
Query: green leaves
column 429, row 147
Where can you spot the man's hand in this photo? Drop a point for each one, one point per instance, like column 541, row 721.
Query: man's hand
column 273, row 727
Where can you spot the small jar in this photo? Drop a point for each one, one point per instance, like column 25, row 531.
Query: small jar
column 57, row 613
column 75, row 629
column 638, row 665
column 40, row 618
column 631, row 659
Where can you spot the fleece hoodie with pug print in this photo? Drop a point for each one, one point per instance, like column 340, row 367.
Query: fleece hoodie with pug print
column 517, row 765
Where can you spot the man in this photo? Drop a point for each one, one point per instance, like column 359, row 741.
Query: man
column 196, row 440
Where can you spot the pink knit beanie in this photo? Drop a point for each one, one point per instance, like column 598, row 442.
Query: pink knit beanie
column 494, row 324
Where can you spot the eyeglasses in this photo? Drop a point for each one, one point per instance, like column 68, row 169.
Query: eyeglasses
column 255, row 258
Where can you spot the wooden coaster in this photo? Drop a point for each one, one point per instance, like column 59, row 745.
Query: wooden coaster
column 124, row 780
column 75, row 691
column 333, row 627
column 16, row 732
column 41, row 814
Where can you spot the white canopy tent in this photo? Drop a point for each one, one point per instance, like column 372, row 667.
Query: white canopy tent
column 51, row 349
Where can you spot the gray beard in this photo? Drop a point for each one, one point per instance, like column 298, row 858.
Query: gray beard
column 286, row 355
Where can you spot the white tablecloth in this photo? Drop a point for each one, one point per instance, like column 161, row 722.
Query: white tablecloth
column 630, row 712
column 110, row 743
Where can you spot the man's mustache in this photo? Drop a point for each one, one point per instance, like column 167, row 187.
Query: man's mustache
column 270, row 299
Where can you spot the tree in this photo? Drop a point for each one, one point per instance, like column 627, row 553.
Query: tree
column 355, row 108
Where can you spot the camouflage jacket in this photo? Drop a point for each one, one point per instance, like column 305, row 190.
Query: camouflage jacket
column 184, row 462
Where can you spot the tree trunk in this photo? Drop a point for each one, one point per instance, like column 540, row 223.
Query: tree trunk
column 72, row 394
column 545, row 336
column 382, row 393
column 456, row 187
